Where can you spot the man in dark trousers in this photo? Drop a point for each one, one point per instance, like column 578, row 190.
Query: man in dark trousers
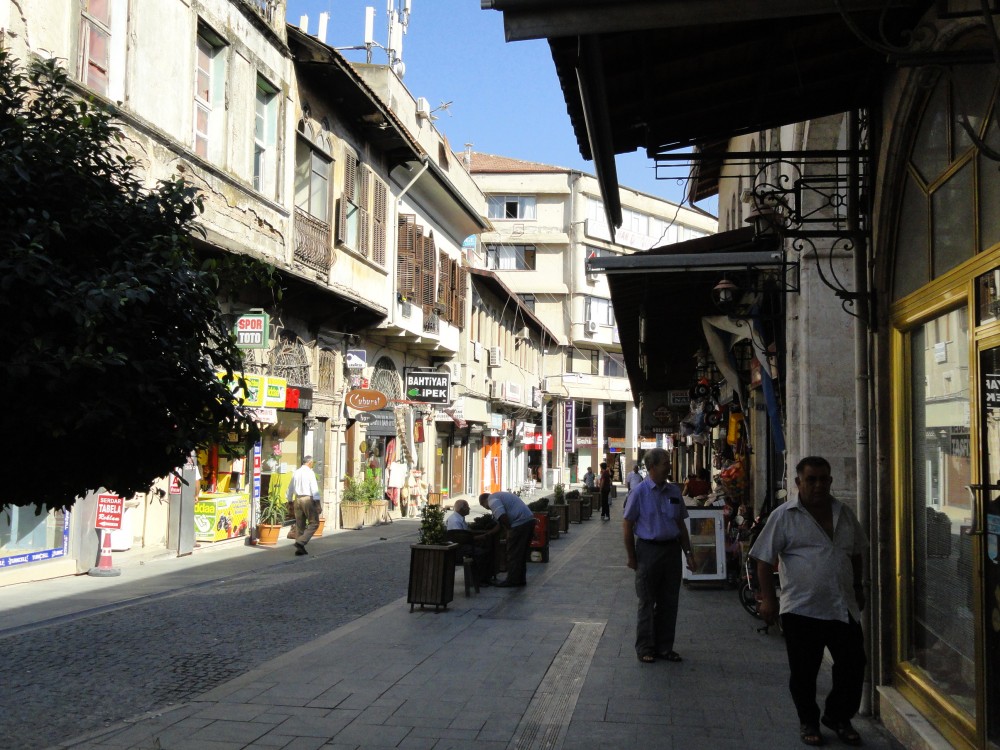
column 513, row 515
column 605, row 486
column 820, row 545
column 657, row 544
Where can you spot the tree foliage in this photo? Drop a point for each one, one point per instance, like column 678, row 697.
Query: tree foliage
column 111, row 331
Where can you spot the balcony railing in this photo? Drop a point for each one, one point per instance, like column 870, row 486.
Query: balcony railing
column 432, row 322
column 266, row 9
column 312, row 241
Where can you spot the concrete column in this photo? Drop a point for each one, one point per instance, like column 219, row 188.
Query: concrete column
column 631, row 435
column 598, row 408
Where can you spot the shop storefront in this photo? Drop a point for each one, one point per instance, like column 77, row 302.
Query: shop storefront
column 28, row 538
column 944, row 349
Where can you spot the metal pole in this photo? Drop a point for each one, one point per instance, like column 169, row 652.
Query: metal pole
column 545, row 453
column 861, row 387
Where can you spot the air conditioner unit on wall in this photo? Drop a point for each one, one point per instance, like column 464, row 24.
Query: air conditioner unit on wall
column 591, row 278
column 591, row 326
column 423, row 108
column 496, row 356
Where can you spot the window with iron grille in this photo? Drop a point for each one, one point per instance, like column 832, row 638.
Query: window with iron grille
column 289, row 359
column 327, row 380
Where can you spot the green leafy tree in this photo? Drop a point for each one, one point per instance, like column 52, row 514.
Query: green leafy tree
column 110, row 325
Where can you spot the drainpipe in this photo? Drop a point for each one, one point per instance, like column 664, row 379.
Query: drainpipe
column 862, row 378
column 426, row 163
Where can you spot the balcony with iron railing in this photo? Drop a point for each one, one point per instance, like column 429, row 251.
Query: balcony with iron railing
column 312, row 241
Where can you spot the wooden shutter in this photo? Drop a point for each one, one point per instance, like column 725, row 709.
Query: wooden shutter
column 461, row 275
column 347, row 197
column 379, row 222
column 417, row 295
column 428, row 264
column 444, row 285
column 406, row 241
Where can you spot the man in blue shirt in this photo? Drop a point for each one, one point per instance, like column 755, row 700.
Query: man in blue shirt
column 656, row 541
column 516, row 517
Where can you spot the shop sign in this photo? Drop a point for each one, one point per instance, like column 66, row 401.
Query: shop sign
column 662, row 414
column 274, row 392
column 678, row 399
column 256, row 473
column 584, row 441
column 298, row 398
column 356, row 359
column 109, row 511
column 366, row 399
column 252, row 331
column 175, row 484
column 383, row 424
column 264, row 415
column 616, row 443
column 454, row 412
column 363, row 417
column 536, row 398
column 254, row 394
column 991, row 390
column 428, row 386
column 512, row 392
column 418, row 431
column 534, row 442
column 496, row 421
column 221, row 518
column 646, row 444
column 569, row 426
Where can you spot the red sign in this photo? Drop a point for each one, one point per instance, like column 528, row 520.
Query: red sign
column 109, row 512
column 365, row 399
column 175, row 484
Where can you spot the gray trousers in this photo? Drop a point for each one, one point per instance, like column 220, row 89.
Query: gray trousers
column 657, row 584
column 306, row 518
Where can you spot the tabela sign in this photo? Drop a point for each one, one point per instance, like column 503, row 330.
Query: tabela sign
column 366, row 399
column 109, row 512
column 428, row 387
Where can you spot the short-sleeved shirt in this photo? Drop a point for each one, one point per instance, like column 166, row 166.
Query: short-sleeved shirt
column 456, row 522
column 656, row 511
column 634, row 480
column 510, row 505
column 817, row 576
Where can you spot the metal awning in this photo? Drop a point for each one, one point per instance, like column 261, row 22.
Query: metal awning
column 666, row 291
column 662, row 75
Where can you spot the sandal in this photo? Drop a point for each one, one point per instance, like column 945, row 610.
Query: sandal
column 846, row 733
column 671, row 656
column 647, row 658
column 810, row 735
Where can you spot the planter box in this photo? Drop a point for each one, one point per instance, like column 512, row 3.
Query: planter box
column 539, row 544
column 586, row 511
column 432, row 575
column 595, row 499
column 352, row 515
column 562, row 514
column 574, row 510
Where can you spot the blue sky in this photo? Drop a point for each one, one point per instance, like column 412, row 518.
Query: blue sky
column 505, row 97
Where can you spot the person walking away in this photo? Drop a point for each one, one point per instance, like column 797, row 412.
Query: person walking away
column 470, row 544
column 513, row 515
column 303, row 493
column 819, row 544
column 633, row 481
column 656, row 543
column 605, row 486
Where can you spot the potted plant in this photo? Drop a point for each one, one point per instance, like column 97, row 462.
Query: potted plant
column 353, row 501
column 272, row 513
column 561, row 511
column 432, row 562
column 376, row 506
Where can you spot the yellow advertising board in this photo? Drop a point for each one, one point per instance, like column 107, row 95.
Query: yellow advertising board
column 274, row 392
column 218, row 517
column 254, row 395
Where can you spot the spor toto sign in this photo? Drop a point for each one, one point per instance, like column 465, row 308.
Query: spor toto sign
column 366, row 399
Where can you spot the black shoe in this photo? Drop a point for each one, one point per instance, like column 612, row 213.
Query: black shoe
column 300, row 549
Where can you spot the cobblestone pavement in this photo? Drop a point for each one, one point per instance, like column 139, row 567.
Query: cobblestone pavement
column 84, row 672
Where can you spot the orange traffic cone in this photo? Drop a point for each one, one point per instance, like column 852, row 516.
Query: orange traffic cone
column 104, row 562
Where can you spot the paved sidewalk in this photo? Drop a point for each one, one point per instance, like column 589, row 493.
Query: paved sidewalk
column 548, row 666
